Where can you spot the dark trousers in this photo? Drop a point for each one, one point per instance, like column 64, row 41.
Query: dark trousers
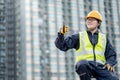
column 87, row 69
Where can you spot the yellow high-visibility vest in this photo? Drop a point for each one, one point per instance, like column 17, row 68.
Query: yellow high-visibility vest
column 85, row 51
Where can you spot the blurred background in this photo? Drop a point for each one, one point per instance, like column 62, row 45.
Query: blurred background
column 28, row 29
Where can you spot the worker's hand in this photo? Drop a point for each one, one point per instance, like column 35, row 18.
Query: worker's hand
column 64, row 29
column 109, row 67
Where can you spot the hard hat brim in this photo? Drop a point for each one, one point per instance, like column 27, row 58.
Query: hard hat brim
column 92, row 17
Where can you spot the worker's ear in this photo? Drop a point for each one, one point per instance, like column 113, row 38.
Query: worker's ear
column 99, row 23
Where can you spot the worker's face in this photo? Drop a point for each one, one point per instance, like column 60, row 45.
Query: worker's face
column 92, row 23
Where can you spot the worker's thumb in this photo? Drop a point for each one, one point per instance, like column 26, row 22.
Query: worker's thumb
column 61, row 31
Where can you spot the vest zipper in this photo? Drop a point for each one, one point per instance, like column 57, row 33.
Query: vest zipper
column 94, row 53
column 94, row 49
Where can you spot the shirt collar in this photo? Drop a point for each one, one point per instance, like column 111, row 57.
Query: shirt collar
column 94, row 33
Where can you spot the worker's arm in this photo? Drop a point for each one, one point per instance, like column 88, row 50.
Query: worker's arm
column 110, row 54
column 67, row 43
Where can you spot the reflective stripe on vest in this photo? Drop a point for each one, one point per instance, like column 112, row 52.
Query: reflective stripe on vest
column 85, row 51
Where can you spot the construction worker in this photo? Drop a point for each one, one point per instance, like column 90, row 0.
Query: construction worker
column 95, row 56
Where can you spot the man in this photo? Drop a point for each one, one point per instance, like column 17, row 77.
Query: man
column 95, row 55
